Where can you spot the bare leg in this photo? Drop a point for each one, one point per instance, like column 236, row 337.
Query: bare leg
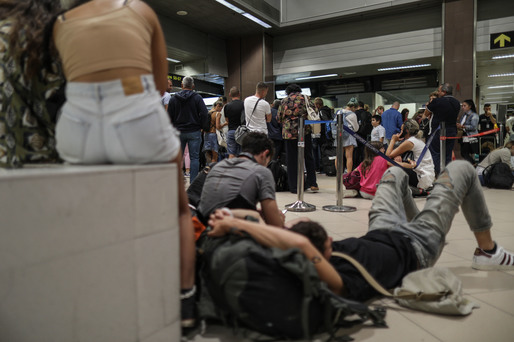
column 484, row 239
column 349, row 158
column 187, row 237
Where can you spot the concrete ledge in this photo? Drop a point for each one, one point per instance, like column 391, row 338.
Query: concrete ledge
column 89, row 253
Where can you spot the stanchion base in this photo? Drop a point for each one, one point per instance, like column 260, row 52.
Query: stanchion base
column 339, row 208
column 300, row 206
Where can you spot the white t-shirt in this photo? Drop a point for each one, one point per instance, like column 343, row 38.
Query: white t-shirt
column 425, row 170
column 165, row 98
column 256, row 122
column 377, row 133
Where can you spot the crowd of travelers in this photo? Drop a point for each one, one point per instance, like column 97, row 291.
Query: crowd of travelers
column 63, row 102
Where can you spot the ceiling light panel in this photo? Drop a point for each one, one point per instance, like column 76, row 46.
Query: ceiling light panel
column 232, row 7
column 502, row 75
column 501, row 86
column 405, row 67
column 503, row 56
column 313, row 77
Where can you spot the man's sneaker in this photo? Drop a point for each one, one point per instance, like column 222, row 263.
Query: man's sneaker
column 187, row 308
column 314, row 188
column 501, row 260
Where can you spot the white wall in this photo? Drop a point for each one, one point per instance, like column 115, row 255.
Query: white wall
column 302, row 11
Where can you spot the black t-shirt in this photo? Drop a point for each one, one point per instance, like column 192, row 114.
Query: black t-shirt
column 233, row 114
column 387, row 255
column 364, row 118
column 444, row 109
column 485, row 123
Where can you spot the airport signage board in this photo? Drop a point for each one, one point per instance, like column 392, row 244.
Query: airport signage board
column 501, row 40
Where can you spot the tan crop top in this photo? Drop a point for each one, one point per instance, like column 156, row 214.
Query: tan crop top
column 120, row 38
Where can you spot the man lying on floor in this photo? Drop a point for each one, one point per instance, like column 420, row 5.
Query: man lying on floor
column 400, row 240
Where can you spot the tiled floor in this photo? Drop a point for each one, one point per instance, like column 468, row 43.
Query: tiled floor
column 493, row 291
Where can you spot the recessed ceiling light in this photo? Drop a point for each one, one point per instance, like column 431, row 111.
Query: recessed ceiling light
column 502, row 75
column 173, row 60
column 349, row 73
column 182, row 12
column 503, row 56
column 312, row 77
column 405, row 67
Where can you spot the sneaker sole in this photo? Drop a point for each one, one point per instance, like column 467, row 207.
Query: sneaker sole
column 492, row 267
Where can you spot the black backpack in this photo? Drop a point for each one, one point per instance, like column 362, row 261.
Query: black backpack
column 279, row 172
column 498, row 176
column 271, row 291
column 328, row 160
column 194, row 191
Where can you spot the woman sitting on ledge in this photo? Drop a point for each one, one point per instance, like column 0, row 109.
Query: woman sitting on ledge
column 114, row 58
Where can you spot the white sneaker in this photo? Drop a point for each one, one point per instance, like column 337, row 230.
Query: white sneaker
column 501, row 260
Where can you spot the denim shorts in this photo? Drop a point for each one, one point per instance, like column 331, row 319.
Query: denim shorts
column 121, row 122
column 210, row 142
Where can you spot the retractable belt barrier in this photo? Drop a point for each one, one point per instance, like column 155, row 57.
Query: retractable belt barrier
column 474, row 135
column 371, row 147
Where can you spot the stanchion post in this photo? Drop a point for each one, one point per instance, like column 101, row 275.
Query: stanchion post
column 501, row 134
column 339, row 207
column 300, row 205
column 300, row 182
column 442, row 147
column 340, row 166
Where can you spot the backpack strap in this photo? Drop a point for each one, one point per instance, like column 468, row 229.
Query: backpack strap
column 429, row 297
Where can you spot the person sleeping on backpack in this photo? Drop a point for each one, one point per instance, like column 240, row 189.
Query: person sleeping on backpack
column 400, row 240
column 502, row 154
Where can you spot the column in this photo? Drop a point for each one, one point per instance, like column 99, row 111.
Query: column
column 250, row 60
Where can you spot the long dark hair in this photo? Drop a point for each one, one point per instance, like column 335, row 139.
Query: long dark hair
column 471, row 104
column 369, row 155
column 32, row 20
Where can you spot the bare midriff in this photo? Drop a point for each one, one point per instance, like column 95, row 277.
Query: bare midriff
column 110, row 75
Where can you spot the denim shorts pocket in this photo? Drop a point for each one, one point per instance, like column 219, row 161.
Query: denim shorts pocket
column 141, row 136
column 71, row 135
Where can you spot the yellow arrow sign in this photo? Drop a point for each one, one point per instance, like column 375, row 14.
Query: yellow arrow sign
column 502, row 38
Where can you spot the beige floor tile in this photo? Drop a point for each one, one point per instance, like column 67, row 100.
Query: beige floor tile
column 485, row 324
column 501, row 300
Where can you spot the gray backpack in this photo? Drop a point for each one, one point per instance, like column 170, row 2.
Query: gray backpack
column 271, row 291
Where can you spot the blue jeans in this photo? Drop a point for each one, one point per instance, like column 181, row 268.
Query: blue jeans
column 393, row 208
column 194, row 141
column 232, row 146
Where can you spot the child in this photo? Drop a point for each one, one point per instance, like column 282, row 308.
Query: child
column 378, row 132
column 371, row 169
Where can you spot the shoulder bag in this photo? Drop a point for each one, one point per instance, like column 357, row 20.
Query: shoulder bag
column 243, row 130
column 434, row 289
column 311, row 113
column 351, row 180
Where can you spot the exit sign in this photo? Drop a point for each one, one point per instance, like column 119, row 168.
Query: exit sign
column 502, row 40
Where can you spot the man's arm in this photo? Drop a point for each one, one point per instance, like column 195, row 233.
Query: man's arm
column 271, row 214
column 269, row 236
